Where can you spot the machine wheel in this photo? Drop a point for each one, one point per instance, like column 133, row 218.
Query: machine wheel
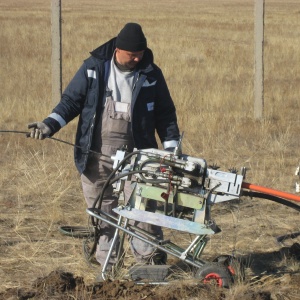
column 234, row 265
column 215, row 273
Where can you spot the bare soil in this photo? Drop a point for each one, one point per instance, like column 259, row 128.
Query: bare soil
column 64, row 285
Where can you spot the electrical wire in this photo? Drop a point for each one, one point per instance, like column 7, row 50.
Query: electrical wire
column 27, row 134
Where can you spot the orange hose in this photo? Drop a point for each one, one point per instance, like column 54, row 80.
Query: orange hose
column 269, row 191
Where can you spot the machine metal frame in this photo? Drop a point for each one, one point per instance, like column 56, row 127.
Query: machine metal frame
column 183, row 185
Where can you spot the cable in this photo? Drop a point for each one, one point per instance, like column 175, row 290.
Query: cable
column 53, row 138
column 272, row 198
column 77, row 231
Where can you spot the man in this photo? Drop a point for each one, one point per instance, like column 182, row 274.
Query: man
column 121, row 98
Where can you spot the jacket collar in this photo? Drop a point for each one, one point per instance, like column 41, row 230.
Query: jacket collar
column 105, row 52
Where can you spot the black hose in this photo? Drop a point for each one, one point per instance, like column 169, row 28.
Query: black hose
column 272, row 198
column 77, row 231
column 116, row 178
column 107, row 182
column 98, row 202
column 152, row 181
column 100, row 199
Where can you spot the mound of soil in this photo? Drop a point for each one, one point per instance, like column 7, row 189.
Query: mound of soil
column 63, row 285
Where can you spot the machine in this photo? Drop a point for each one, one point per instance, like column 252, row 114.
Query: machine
column 185, row 189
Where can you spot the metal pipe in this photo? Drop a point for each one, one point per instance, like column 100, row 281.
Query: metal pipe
column 91, row 212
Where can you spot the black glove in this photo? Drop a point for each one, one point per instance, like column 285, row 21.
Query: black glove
column 39, row 130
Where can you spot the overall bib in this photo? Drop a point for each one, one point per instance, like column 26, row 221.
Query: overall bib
column 112, row 132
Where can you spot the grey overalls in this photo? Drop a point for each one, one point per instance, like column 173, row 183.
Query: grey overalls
column 113, row 131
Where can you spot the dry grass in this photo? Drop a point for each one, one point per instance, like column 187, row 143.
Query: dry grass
column 205, row 49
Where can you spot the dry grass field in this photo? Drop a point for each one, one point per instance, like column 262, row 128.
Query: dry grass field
column 206, row 51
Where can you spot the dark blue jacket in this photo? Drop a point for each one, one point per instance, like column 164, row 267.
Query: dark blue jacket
column 152, row 106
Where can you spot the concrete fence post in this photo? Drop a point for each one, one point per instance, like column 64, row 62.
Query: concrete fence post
column 56, row 60
column 259, row 59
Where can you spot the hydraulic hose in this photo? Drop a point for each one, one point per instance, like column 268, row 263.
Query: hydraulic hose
column 265, row 190
column 108, row 181
column 272, row 198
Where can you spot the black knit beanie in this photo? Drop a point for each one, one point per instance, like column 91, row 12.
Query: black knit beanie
column 131, row 38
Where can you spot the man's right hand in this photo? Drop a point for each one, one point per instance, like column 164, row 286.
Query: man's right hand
column 39, row 130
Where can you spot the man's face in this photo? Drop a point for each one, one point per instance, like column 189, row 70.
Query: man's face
column 128, row 59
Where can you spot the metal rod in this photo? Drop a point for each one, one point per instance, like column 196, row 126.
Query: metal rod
column 103, row 271
column 197, row 263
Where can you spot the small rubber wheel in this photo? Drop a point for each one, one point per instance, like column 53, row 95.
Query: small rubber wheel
column 215, row 274
column 234, row 265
